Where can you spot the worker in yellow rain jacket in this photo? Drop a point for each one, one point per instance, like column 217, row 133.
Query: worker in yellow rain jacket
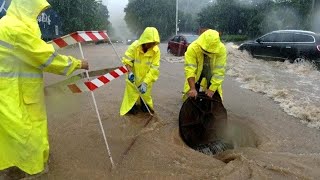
column 23, row 59
column 204, row 120
column 142, row 59
column 205, row 63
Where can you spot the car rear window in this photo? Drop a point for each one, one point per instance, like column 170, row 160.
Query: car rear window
column 303, row 38
column 176, row 39
column 190, row 39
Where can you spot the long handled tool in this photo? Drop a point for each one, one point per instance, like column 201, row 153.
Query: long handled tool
column 98, row 114
column 147, row 122
column 144, row 102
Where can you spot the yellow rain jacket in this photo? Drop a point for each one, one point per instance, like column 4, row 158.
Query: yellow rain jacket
column 23, row 58
column 145, row 67
column 208, row 43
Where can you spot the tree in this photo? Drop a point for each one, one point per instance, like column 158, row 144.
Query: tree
column 157, row 13
column 227, row 16
column 289, row 14
column 255, row 17
column 82, row 15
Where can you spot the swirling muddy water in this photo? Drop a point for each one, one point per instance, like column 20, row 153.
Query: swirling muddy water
column 273, row 121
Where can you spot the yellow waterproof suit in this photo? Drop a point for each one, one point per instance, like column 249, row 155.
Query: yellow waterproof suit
column 23, row 58
column 145, row 67
column 208, row 43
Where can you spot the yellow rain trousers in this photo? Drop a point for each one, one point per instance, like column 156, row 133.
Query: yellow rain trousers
column 210, row 44
column 145, row 67
column 23, row 58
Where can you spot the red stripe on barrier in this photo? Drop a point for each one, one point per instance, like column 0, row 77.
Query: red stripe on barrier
column 92, row 36
column 114, row 74
column 90, row 85
column 74, row 88
column 77, row 37
column 123, row 69
column 103, row 79
column 103, row 34
column 60, row 42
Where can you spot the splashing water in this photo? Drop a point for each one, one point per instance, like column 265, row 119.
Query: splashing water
column 296, row 87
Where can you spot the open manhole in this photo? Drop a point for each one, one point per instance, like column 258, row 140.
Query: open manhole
column 203, row 126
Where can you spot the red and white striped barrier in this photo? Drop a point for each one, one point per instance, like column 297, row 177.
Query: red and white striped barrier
column 98, row 82
column 78, row 37
column 85, row 36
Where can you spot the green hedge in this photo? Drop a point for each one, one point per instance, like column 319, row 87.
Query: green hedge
column 234, row 38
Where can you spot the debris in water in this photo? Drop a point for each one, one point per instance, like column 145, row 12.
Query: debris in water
column 213, row 147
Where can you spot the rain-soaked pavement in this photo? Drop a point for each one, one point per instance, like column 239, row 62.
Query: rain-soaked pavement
column 272, row 114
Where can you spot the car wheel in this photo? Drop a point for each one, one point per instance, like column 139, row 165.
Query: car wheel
column 299, row 59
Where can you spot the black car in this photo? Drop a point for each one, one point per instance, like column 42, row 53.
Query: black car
column 285, row 44
column 131, row 40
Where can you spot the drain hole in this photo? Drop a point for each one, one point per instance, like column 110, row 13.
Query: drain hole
column 213, row 147
column 203, row 127
column 229, row 160
column 202, row 123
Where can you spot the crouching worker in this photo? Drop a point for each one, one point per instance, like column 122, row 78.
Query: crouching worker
column 142, row 59
column 24, row 56
column 203, row 116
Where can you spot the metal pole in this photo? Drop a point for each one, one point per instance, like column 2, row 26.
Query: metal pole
column 313, row 1
column 313, row 16
column 98, row 114
column 177, row 8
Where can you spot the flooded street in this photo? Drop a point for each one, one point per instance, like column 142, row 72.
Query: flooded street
column 273, row 114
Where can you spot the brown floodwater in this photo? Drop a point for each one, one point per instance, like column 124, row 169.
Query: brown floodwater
column 268, row 141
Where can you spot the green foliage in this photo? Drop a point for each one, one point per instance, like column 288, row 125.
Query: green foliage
column 162, row 15
column 234, row 38
column 81, row 15
column 157, row 13
column 250, row 18
column 192, row 7
column 254, row 18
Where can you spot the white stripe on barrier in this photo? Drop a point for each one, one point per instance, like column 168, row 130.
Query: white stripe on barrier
column 97, row 82
column 98, row 36
column 119, row 72
column 83, row 87
column 70, row 40
column 85, row 37
column 108, row 76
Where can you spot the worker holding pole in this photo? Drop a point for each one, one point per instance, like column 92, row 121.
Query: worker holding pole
column 142, row 60
column 24, row 56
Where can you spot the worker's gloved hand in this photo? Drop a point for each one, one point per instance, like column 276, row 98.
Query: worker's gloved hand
column 193, row 93
column 84, row 65
column 209, row 93
column 131, row 77
column 143, row 88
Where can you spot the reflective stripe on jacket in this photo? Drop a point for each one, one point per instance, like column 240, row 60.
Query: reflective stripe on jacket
column 208, row 43
column 23, row 58
column 145, row 67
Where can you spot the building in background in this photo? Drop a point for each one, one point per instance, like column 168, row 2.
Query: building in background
column 50, row 24
column 49, row 21
column 3, row 7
